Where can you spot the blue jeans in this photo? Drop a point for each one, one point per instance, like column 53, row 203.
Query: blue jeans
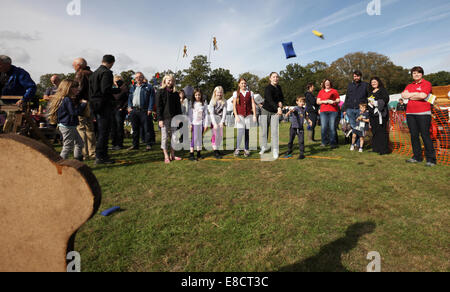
column 353, row 114
column 328, row 122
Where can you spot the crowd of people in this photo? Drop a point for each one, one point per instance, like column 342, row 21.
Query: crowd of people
column 101, row 97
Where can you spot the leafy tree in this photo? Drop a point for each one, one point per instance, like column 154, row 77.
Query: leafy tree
column 262, row 84
column 220, row 77
column 127, row 76
column 370, row 64
column 295, row 78
column 293, row 81
column 198, row 74
column 441, row 78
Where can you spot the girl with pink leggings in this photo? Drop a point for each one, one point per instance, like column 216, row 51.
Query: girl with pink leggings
column 218, row 114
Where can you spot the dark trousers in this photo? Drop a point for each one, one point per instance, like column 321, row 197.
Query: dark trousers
column 300, row 133
column 117, row 127
column 139, row 123
column 380, row 139
column 104, row 118
column 313, row 118
column 150, row 132
column 420, row 125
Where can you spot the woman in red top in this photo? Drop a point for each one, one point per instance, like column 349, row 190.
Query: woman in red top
column 418, row 115
column 328, row 100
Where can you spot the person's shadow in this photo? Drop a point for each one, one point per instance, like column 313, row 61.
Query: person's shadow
column 329, row 257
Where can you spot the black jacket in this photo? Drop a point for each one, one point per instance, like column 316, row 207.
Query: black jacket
column 356, row 94
column 168, row 104
column 382, row 96
column 311, row 103
column 101, row 89
column 272, row 96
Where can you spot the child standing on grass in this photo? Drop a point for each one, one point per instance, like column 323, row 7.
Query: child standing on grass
column 244, row 108
column 197, row 117
column 218, row 112
column 362, row 127
column 64, row 111
column 297, row 117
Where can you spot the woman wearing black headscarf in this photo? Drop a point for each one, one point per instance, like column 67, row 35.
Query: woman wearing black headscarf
column 379, row 115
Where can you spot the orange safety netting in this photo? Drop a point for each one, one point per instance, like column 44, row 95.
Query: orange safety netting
column 440, row 133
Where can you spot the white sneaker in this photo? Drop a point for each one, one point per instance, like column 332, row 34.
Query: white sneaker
column 237, row 153
column 361, row 150
column 275, row 155
column 352, row 148
column 263, row 150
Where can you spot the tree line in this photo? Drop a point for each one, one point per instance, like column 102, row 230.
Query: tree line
column 293, row 78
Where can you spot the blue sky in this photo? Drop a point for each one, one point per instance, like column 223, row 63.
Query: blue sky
column 148, row 35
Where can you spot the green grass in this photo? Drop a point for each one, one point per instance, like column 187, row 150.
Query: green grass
column 289, row 215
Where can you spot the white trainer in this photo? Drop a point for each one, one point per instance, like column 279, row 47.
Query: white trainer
column 352, row 148
column 275, row 155
column 263, row 150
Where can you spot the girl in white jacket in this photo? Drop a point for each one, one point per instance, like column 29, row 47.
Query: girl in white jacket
column 198, row 114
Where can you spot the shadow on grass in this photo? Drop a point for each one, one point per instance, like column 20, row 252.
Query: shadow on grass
column 329, row 257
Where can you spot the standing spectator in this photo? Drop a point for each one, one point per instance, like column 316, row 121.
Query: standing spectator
column 51, row 91
column 259, row 101
column 140, row 106
column 328, row 99
column 244, row 110
column 230, row 115
column 101, row 93
column 356, row 94
column 418, row 115
column 218, row 112
column 312, row 110
column 184, row 103
column 119, row 114
column 401, row 106
column 86, row 120
column 168, row 106
column 64, row 110
column 150, row 129
column 184, row 111
column 273, row 104
column 379, row 116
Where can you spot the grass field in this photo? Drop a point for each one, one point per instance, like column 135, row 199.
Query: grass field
column 325, row 213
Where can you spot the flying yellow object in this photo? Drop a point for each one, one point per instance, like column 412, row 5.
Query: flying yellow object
column 319, row 34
